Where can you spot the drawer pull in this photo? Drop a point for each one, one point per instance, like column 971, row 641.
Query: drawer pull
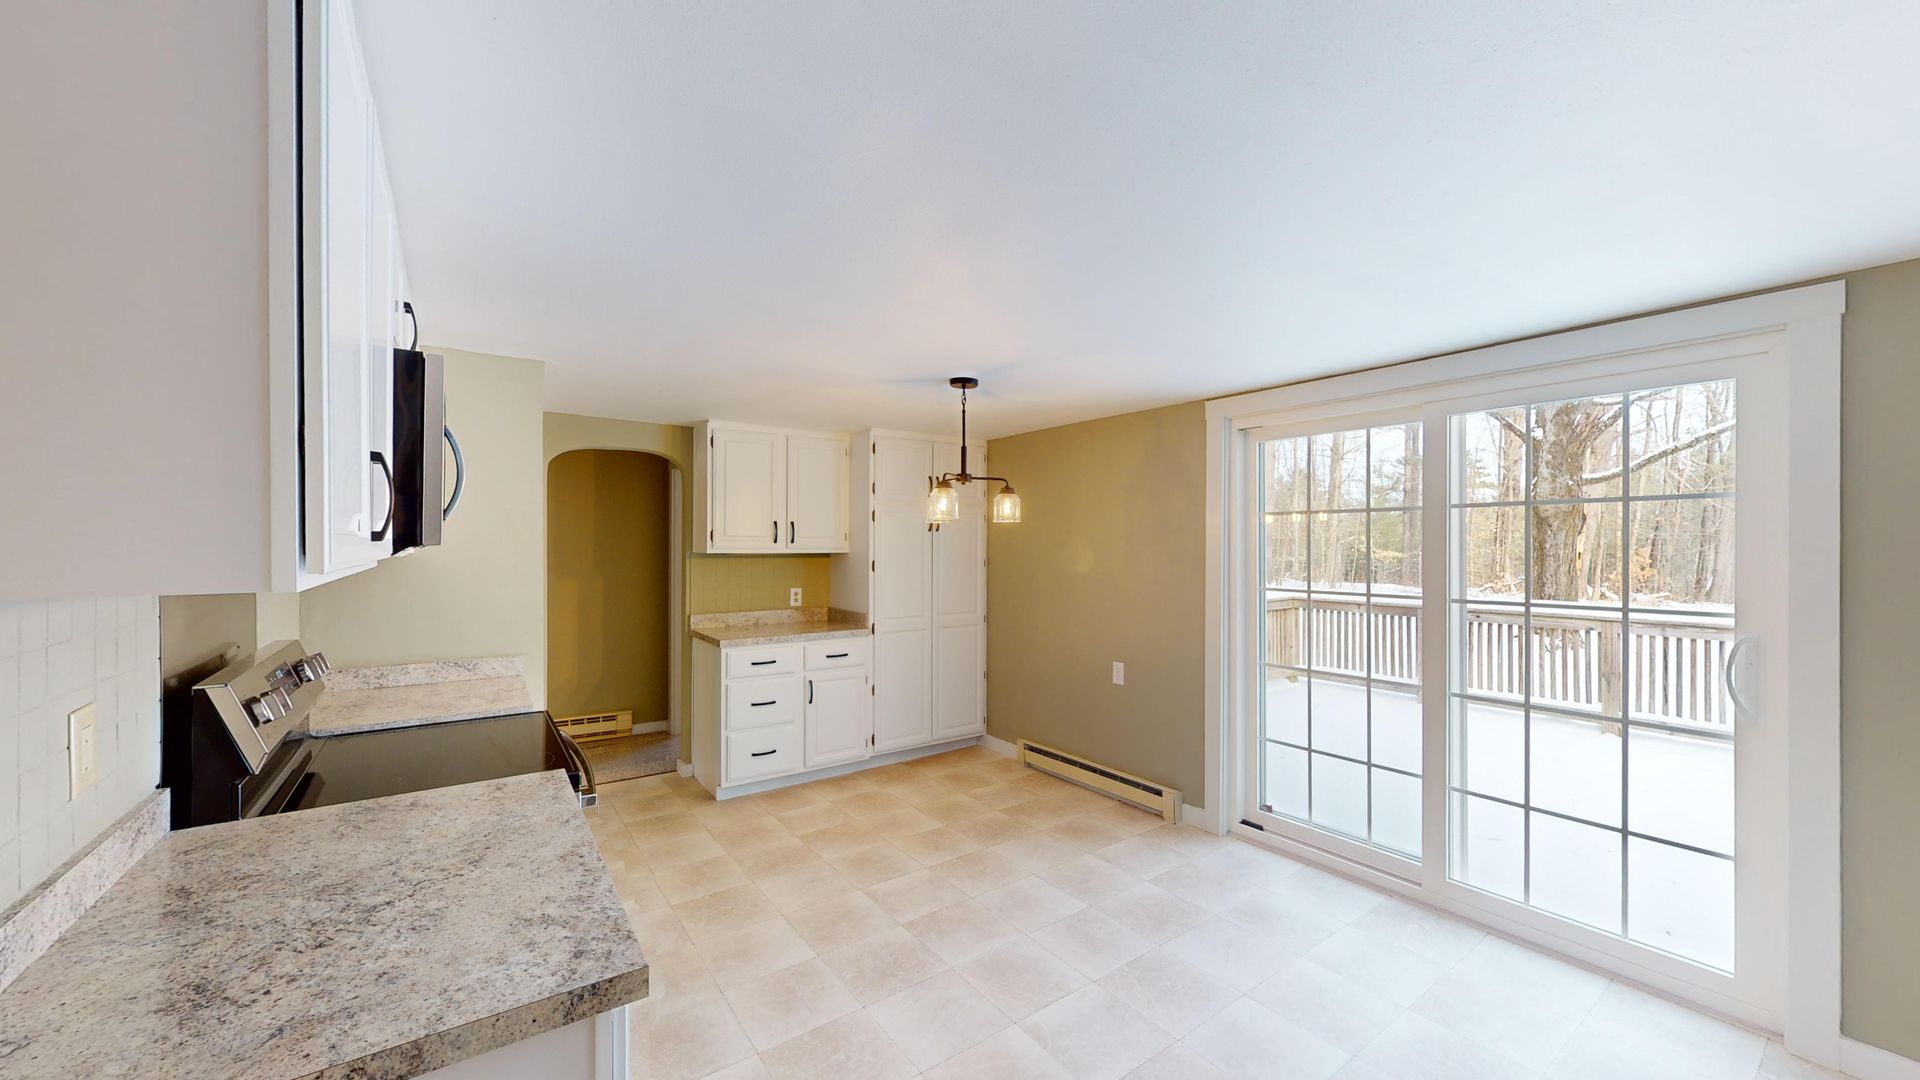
column 762, row 663
column 762, row 704
column 762, row 753
column 836, row 656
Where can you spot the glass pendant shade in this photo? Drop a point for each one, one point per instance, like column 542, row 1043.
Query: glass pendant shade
column 943, row 504
column 1006, row 507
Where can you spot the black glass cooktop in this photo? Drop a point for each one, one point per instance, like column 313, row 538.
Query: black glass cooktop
column 373, row 764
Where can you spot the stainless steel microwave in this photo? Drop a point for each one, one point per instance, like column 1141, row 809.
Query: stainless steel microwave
column 419, row 464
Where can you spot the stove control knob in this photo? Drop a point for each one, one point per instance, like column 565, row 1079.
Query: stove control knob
column 262, row 711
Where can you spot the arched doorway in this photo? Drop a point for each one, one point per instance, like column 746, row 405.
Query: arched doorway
column 613, row 602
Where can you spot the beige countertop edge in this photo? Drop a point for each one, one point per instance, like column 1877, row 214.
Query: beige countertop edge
column 489, row 1033
column 773, row 635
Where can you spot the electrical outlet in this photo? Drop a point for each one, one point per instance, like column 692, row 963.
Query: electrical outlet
column 1119, row 673
column 80, row 749
column 793, row 597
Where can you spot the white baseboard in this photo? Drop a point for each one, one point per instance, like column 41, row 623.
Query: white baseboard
column 1195, row 816
column 653, row 728
column 999, row 746
column 684, row 768
column 1872, row 1063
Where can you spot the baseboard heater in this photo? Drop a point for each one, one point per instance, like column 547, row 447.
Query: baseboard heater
column 1126, row 787
column 596, row 725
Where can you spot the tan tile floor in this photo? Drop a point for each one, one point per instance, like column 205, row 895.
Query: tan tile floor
column 962, row 916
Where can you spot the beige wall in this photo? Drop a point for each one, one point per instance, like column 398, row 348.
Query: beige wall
column 1108, row 565
column 483, row 592
column 1104, row 570
column 607, row 578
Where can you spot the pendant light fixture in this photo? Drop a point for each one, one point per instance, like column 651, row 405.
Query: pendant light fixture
column 943, row 501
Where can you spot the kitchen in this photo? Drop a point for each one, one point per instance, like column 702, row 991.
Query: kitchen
column 650, row 540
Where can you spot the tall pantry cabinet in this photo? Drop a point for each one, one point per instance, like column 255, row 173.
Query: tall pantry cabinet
column 923, row 588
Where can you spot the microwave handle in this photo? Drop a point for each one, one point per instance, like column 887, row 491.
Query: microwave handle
column 459, row 472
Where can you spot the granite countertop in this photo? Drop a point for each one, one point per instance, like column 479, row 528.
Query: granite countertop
column 375, row 940
column 778, row 626
column 404, row 695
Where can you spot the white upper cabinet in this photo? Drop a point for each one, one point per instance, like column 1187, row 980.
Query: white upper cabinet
column 217, row 434
column 759, row 489
column 348, row 391
column 816, row 493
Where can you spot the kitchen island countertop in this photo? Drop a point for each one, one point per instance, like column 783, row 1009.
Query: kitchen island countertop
column 376, row 940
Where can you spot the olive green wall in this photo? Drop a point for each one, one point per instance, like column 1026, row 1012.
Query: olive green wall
column 1879, row 717
column 607, row 582
column 483, row 591
column 754, row 582
column 1109, row 564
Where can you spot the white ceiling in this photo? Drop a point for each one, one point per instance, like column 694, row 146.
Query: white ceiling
column 813, row 213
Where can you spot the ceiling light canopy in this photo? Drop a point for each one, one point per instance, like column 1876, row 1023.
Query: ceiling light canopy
column 943, row 499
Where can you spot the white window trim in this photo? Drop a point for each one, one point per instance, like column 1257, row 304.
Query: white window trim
column 1810, row 318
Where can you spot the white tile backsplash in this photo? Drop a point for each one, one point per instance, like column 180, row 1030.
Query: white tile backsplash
column 55, row 656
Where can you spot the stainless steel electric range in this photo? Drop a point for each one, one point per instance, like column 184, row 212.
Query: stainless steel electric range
column 242, row 747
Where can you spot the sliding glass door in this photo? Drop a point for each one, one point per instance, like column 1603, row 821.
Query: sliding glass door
column 1501, row 647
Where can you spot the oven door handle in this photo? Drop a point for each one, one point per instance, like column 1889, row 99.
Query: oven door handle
column 589, row 795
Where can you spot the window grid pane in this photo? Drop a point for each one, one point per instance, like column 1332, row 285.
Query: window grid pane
column 1339, row 632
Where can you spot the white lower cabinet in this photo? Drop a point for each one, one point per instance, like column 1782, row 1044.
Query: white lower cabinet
column 762, row 712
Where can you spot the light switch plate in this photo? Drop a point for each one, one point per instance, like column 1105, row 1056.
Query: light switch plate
column 1119, row 673
column 80, row 749
column 793, row 597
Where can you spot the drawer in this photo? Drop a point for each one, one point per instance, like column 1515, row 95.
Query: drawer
column 755, row 703
column 763, row 660
column 756, row 755
column 836, row 653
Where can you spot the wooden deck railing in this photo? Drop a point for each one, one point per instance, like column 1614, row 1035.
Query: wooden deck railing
column 1578, row 660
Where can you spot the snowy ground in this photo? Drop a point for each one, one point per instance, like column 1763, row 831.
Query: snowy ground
column 1675, row 787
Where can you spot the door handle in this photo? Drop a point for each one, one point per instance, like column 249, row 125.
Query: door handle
column 459, row 472
column 758, row 663
column 762, row 753
column 776, row 532
column 789, row 534
column 809, row 691
column 386, row 470
column 762, row 704
column 1741, row 706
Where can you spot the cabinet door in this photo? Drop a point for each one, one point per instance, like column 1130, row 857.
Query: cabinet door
column 902, row 467
column 839, row 717
column 383, row 291
column 341, row 421
column 816, row 493
column 901, row 718
column 959, row 609
column 902, row 559
column 958, row 705
column 747, row 494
